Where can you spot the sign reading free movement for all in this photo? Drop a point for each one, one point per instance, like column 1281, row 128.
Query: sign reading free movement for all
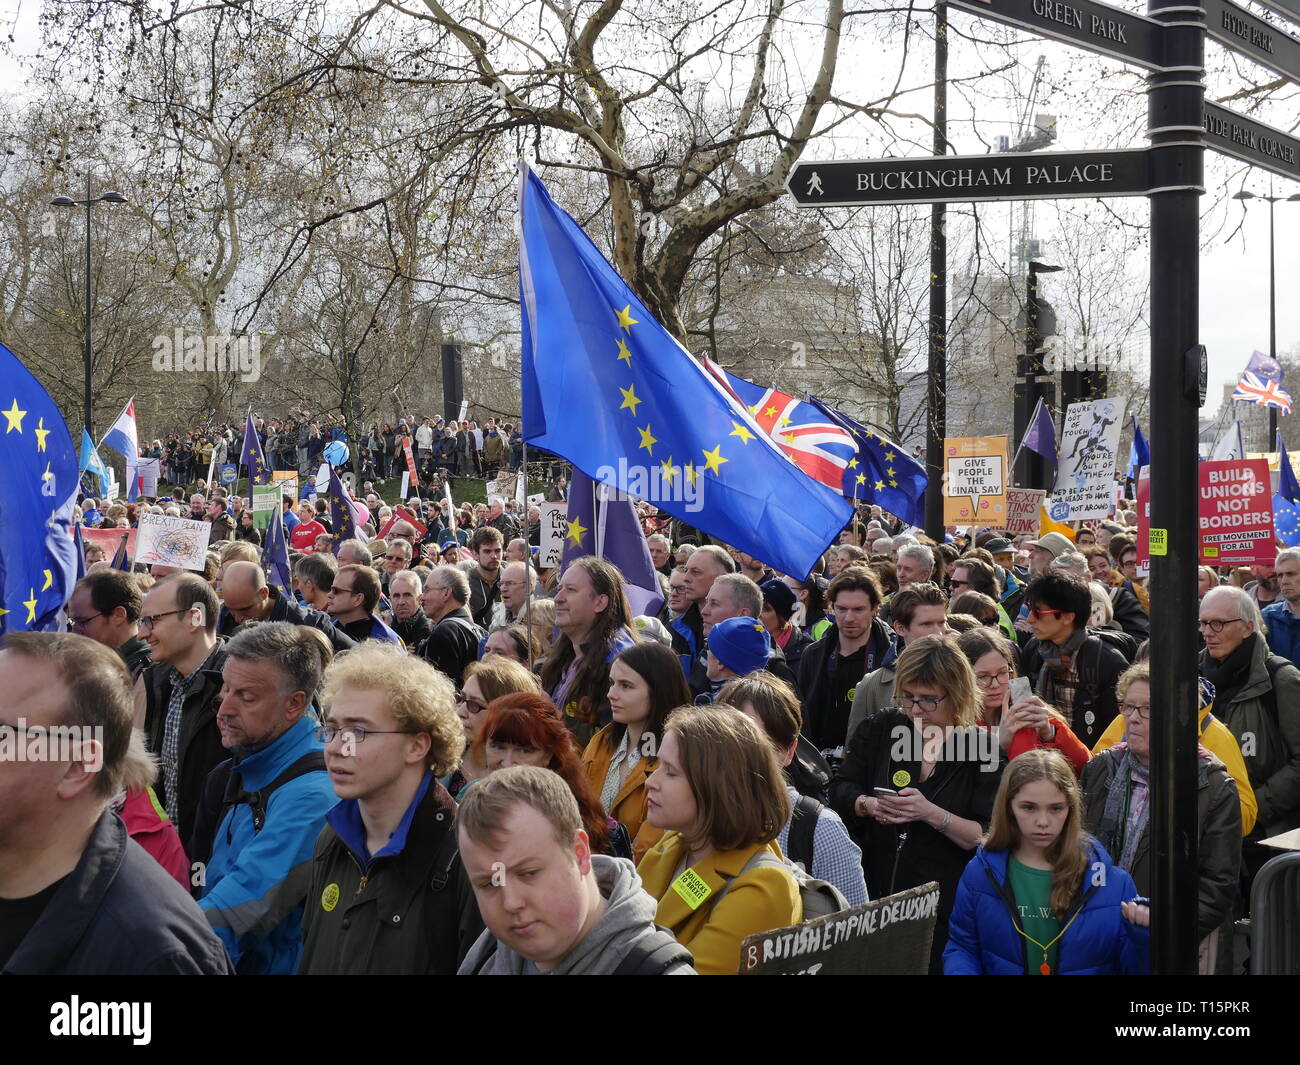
column 1235, row 513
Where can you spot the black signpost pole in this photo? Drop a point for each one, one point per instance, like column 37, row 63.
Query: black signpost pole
column 1174, row 128
column 937, row 392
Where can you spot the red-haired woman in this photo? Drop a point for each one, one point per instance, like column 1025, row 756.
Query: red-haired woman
column 524, row 728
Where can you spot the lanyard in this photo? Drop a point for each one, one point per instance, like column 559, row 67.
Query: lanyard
column 1046, row 968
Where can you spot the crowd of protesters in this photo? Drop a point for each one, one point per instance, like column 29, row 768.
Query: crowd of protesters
column 434, row 757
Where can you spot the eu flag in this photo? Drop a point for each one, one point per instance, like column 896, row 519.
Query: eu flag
column 251, row 456
column 345, row 527
column 1139, row 454
column 38, row 491
column 604, row 524
column 608, row 388
column 275, row 559
column 881, row 472
column 1287, row 487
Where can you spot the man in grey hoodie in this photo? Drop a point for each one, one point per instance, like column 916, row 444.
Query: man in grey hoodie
column 550, row 905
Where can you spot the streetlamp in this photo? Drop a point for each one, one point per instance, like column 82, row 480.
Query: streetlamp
column 1032, row 380
column 88, row 355
column 1272, row 296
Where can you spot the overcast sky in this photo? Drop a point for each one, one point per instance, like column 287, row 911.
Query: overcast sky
column 1234, row 265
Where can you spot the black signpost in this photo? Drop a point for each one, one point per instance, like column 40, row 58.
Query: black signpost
column 1085, row 23
column 1289, row 8
column 1251, row 142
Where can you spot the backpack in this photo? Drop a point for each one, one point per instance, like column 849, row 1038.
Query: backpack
column 808, row 771
column 803, row 828
column 222, row 790
column 819, row 898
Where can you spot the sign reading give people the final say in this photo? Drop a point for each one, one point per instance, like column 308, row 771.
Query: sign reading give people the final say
column 968, row 178
column 1098, row 27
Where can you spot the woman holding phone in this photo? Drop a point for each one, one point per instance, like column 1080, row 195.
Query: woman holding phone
column 918, row 780
column 1008, row 705
column 1041, row 897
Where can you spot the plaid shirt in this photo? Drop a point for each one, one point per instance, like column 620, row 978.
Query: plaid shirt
column 836, row 858
column 171, row 744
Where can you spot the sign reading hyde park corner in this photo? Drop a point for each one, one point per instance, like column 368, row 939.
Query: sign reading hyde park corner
column 969, row 178
column 1097, row 27
column 1251, row 141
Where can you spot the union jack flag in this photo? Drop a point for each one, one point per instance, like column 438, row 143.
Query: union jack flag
column 807, row 437
column 1253, row 389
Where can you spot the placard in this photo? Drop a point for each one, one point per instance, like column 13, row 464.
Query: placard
column 149, row 471
column 1023, row 505
column 1235, row 513
column 975, row 480
column 888, row 937
column 554, row 524
column 229, row 474
column 1144, row 522
column 110, row 540
column 1085, row 475
column 167, row 541
column 267, row 501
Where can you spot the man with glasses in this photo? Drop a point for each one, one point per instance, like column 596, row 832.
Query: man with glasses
column 1257, row 695
column 388, row 892
column 268, row 803
column 454, row 640
column 248, row 597
column 517, row 580
column 1072, row 669
column 105, row 606
column 176, row 697
column 397, row 557
column 919, row 610
column 352, row 601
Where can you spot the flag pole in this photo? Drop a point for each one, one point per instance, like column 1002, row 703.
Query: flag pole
column 1033, row 420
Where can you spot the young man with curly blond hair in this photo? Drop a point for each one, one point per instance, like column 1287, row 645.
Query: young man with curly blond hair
column 388, row 892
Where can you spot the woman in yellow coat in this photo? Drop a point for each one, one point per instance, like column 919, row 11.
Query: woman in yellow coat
column 646, row 684
column 720, row 796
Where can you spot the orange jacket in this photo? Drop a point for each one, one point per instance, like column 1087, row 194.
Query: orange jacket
column 629, row 805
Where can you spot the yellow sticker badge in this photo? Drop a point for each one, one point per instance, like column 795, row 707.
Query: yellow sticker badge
column 692, row 888
column 329, row 898
column 902, row 778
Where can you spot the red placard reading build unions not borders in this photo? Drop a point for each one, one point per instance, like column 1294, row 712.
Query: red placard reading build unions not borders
column 1235, row 513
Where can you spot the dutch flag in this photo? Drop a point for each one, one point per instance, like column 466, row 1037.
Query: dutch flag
column 122, row 439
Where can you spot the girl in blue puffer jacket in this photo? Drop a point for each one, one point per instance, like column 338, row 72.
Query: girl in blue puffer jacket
column 1040, row 896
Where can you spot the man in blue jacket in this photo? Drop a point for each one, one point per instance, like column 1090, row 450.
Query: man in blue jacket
column 274, row 796
column 1283, row 617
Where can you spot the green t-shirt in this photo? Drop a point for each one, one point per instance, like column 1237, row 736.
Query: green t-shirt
column 1033, row 891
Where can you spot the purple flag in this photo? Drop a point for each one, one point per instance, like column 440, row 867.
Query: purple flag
column 1266, row 368
column 1041, row 434
column 609, row 528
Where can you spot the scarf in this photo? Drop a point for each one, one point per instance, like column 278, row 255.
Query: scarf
column 1124, row 816
column 1056, row 660
column 1229, row 676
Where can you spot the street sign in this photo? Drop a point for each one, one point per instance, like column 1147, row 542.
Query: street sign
column 1289, row 8
column 1250, row 35
column 1098, row 27
column 1251, row 141
column 970, row 178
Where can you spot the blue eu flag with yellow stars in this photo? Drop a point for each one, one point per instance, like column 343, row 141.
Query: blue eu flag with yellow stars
column 275, row 559
column 1286, row 515
column 251, row 455
column 38, row 491
column 608, row 388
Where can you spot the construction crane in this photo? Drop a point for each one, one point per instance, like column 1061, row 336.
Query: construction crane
column 1029, row 137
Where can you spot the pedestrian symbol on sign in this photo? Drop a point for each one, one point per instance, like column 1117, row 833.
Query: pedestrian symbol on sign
column 815, row 184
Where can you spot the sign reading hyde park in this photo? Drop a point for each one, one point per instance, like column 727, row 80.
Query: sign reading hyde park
column 1097, row 27
column 958, row 178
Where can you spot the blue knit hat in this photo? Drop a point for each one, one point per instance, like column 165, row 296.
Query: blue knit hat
column 780, row 597
column 740, row 644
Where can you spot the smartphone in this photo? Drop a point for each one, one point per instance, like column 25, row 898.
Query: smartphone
column 885, row 791
column 1021, row 690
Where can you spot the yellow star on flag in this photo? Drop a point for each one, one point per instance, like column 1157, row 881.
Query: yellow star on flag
column 889, row 472
column 853, row 463
column 30, row 604
column 625, row 318
column 745, row 435
column 893, row 484
column 15, row 417
column 41, row 433
column 647, row 441
column 789, row 438
column 670, row 471
column 624, row 352
column 692, row 474
column 880, row 485
column 770, row 412
column 889, row 456
column 753, row 409
column 629, row 399
column 862, row 478
column 49, row 579
column 576, row 532
column 783, row 422
column 48, row 475
column 713, row 460
column 3, row 611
